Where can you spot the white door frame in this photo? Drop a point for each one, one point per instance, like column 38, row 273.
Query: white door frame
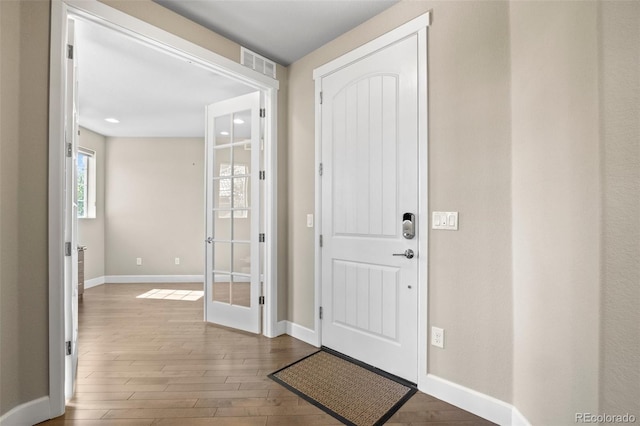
column 416, row 26
column 157, row 38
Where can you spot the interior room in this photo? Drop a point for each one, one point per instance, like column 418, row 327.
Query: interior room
column 531, row 127
column 141, row 113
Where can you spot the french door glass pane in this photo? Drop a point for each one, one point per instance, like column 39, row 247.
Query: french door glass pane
column 222, row 256
column 241, row 291
column 242, row 225
column 222, row 126
column 223, row 160
column 242, row 127
column 221, row 288
column 222, row 227
column 242, row 258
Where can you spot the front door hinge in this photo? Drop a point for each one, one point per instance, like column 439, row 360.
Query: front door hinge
column 67, row 249
column 68, row 347
column 320, row 240
column 262, row 175
column 263, row 113
column 261, row 238
column 320, row 98
column 320, row 312
column 261, row 300
column 69, row 150
column 320, row 169
column 70, row 51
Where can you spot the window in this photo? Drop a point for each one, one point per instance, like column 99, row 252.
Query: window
column 86, row 189
column 239, row 192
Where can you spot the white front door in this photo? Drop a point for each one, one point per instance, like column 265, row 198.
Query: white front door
column 71, row 218
column 369, row 139
column 232, row 276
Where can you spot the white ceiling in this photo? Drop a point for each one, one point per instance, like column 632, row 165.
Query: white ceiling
column 154, row 94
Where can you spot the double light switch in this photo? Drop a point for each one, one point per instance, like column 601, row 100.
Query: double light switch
column 445, row 220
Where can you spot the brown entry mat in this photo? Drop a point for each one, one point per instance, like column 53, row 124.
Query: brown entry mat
column 352, row 392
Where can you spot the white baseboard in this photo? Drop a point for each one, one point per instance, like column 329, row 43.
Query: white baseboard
column 137, row 279
column 301, row 333
column 473, row 401
column 94, row 282
column 28, row 414
column 517, row 419
column 281, row 328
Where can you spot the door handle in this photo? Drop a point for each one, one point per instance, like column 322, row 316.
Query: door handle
column 209, row 240
column 408, row 253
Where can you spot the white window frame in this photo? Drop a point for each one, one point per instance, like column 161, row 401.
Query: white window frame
column 90, row 184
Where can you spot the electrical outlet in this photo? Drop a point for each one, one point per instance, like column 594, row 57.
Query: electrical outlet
column 177, row 260
column 437, row 337
column 138, row 261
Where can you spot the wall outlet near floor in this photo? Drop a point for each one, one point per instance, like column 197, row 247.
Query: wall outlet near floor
column 138, row 261
column 177, row 260
column 437, row 337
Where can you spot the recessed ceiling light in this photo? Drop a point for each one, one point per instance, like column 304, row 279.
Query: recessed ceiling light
column 238, row 120
column 112, row 120
column 224, row 133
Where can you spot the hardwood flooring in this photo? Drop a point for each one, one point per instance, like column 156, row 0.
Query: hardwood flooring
column 155, row 362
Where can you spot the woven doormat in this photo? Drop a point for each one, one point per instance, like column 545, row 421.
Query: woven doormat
column 350, row 391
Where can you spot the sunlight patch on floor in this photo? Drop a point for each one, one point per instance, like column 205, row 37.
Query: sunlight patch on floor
column 190, row 295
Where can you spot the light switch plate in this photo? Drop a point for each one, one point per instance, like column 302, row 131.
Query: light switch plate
column 310, row 221
column 444, row 220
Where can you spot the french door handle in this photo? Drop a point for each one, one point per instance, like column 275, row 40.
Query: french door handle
column 209, row 240
column 408, row 253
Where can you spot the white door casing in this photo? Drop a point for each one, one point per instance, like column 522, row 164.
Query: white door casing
column 61, row 12
column 369, row 136
column 71, row 217
column 232, row 275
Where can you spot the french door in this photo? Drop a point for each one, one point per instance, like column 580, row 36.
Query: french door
column 233, row 153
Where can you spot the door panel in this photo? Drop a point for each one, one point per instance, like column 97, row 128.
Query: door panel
column 370, row 159
column 232, row 276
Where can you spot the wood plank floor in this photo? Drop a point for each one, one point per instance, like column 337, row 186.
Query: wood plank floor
column 155, row 362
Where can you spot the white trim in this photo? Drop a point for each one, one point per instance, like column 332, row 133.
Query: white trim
column 94, row 282
column 160, row 39
column 167, row 42
column 317, row 323
column 270, row 286
column 416, row 26
column 137, row 279
column 518, row 419
column 302, row 333
column 281, row 327
column 57, row 83
column 481, row 405
column 405, row 30
column 27, row 414
column 423, row 205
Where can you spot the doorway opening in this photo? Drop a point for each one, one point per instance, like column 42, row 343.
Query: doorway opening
column 60, row 312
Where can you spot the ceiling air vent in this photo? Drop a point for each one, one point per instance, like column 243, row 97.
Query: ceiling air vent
column 257, row 62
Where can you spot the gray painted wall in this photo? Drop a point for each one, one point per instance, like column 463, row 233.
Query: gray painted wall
column 91, row 231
